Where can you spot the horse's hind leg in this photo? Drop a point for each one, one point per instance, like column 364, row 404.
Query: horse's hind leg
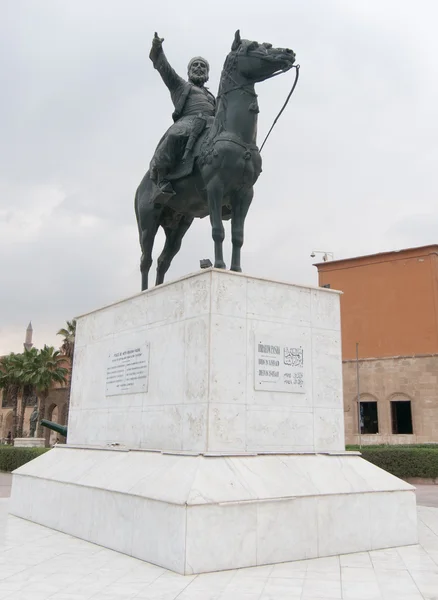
column 148, row 218
column 147, row 237
column 174, row 236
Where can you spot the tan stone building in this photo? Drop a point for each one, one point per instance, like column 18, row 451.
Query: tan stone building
column 56, row 408
column 389, row 317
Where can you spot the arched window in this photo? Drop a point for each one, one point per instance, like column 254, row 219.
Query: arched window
column 369, row 418
column 401, row 414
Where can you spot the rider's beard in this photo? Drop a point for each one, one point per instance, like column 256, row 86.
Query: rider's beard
column 198, row 79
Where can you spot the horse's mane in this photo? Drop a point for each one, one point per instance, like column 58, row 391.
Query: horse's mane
column 229, row 67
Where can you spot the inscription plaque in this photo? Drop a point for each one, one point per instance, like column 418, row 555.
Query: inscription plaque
column 128, row 370
column 279, row 365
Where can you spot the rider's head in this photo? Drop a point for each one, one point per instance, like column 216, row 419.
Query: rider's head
column 198, row 70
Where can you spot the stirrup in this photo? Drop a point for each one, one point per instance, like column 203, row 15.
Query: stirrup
column 165, row 187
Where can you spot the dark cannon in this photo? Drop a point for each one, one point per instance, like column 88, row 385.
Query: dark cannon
column 62, row 429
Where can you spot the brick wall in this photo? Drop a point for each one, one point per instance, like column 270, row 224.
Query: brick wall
column 413, row 378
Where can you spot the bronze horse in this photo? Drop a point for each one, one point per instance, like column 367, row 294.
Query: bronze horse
column 227, row 164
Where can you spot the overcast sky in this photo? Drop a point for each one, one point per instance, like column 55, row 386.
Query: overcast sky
column 351, row 167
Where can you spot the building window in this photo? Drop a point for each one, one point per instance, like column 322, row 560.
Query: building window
column 401, row 416
column 7, row 399
column 369, row 421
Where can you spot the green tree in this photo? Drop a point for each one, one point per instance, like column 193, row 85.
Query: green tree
column 26, row 365
column 68, row 348
column 49, row 371
column 68, row 343
column 11, row 385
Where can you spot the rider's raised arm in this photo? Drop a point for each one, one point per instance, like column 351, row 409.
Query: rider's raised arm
column 160, row 62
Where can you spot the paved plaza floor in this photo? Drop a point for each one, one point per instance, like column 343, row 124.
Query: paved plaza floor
column 37, row 563
column 427, row 495
column 5, row 485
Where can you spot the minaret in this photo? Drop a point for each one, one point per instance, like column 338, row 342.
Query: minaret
column 28, row 341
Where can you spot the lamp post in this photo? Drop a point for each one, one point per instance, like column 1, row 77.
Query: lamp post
column 359, row 420
column 326, row 256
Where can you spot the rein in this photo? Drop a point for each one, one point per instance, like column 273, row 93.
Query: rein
column 243, row 88
column 297, row 74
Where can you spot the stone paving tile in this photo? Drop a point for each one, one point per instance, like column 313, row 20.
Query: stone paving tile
column 397, row 584
column 358, row 575
column 37, row 563
column 359, row 560
column 427, row 583
column 354, row 590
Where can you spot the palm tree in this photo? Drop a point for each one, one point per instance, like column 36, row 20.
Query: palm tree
column 48, row 372
column 68, row 343
column 26, row 366
column 68, row 348
column 11, row 384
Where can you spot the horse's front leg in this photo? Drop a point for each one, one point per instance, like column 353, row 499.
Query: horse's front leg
column 215, row 192
column 239, row 209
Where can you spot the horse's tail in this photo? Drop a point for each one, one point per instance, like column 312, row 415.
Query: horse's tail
column 137, row 210
column 142, row 199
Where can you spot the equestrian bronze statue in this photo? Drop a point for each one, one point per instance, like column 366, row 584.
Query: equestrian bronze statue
column 208, row 161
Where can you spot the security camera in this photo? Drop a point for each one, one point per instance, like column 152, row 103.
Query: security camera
column 312, row 255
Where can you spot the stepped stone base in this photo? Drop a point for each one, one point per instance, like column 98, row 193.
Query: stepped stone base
column 206, row 432
column 194, row 514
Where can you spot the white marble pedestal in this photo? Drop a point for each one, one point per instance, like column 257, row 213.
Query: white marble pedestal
column 206, row 433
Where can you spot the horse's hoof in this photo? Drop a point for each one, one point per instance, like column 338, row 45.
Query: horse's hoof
column 219, row 264
column 237, row 269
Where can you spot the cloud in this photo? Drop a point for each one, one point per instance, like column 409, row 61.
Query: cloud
column 350, row 167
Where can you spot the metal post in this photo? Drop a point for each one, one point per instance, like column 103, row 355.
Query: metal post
column 358, row 396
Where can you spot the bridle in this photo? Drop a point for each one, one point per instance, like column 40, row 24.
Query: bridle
column 244, row 88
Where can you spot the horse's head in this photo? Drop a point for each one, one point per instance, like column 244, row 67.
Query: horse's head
column 256, row 62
